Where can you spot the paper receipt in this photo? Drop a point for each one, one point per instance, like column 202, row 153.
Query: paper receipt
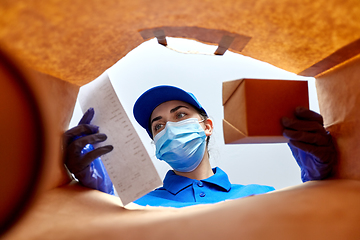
column 129, row 165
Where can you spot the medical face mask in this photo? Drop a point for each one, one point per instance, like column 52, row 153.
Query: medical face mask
column 181, row 144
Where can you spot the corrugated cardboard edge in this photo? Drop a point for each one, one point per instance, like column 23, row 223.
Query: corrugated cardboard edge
column 231, row 133
column 229, row 88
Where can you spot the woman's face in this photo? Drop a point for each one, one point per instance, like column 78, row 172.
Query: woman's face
column 174, row 111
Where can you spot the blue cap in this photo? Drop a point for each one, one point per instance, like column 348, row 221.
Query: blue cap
column 149, row 100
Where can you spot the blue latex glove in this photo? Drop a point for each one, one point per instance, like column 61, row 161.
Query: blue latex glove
column 82, row 159
column 311, row 145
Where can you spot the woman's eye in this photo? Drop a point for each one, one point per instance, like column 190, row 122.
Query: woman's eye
column 180, row 115
column 157, row 127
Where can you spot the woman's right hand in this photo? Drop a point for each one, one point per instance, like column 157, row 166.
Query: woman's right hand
column 76, row 138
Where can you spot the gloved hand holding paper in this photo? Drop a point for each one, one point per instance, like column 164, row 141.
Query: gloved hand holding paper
column 75, row 140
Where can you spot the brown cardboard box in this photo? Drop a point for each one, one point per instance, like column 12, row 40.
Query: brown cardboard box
column 253, row 108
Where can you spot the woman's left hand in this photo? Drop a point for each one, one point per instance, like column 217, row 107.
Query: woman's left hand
column 310, row 143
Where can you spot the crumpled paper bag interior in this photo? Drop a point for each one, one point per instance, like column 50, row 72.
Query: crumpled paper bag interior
column 66, row 44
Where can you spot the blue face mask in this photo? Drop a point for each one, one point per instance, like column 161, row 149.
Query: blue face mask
column 181, row 144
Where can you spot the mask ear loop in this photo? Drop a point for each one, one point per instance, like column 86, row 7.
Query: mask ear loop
column 201, row 122
column 153, row 147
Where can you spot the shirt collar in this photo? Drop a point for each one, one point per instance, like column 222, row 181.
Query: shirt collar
column 220, row 178
column 175, row 183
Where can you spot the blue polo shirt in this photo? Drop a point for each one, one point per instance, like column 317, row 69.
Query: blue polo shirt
column 179, row 191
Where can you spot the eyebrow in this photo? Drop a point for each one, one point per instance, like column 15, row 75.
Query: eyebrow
column 176, row 108
column 171, row 111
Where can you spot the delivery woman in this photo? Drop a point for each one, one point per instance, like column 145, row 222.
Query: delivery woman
column 181, row 128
